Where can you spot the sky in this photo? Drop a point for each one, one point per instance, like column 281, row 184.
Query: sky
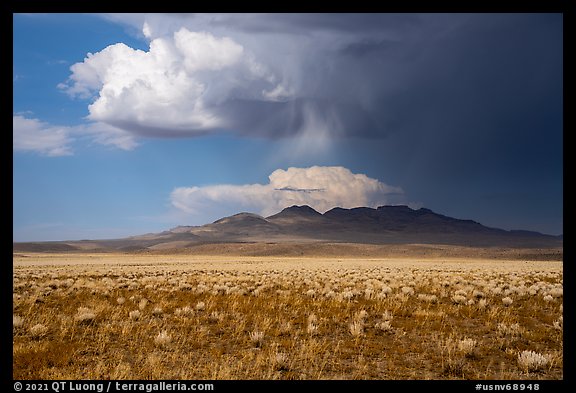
column 125, row 124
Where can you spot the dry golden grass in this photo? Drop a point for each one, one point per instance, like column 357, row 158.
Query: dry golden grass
column 183, row 317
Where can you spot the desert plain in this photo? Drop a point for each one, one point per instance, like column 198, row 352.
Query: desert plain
column 290, row 311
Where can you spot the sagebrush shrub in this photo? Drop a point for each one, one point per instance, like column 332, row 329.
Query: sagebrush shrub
column 163, row 339
column 532, row 361
column 85, row 315
column 38, row 331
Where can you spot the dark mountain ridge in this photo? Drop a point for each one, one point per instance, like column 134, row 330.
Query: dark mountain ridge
column 364, row 225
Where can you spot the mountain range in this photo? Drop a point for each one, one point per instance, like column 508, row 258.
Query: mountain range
column 302, row 224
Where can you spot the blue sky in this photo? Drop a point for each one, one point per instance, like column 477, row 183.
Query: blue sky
column 182, row 119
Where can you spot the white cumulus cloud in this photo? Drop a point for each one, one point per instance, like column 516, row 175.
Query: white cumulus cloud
column 320, row 187
column 173, row 89
column 32, row 135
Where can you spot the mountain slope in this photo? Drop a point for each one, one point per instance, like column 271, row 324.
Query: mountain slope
column 302, row 224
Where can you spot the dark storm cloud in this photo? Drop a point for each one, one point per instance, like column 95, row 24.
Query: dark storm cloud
column 309, row 23
column 492, row 88
column 454, row 76
column 361, row 75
